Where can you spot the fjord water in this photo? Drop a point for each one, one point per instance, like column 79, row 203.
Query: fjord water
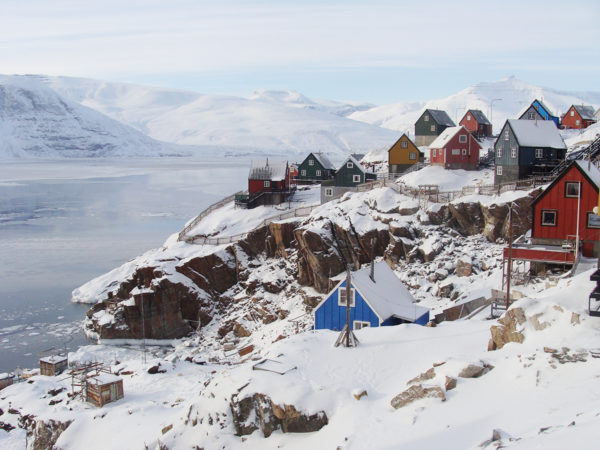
column 65, row 222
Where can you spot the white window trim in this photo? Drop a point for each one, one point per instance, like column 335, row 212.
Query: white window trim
column 456, row 151
column 531, row 115
column 587, row 224
column 553, row 211
column 426, row 118
column 572, row 113
column 432, row 128
column 468, row 116
column 356, row 178
column 462, row 138
column 498, row 170
column 352, row 297
column 576, row 183
column 318, row 173
column 499, row 152
column 311, row 162
column 350, row 165
column 404, row 144
column 506, row 135
column 328, row 192
column 267, row 183
column 434, row 153
column 513, row 152
column 303, row 172
column 464, row 151
column 539, row 152
column 361, row 324
column 412, row 156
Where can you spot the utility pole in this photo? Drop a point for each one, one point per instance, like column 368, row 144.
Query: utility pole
column 348, row 293
column 509, row 256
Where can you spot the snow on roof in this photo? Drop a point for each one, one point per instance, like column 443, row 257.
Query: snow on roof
column 273, row 170
column 387, row 295
column 586, row 112
column 53, row 359
column 353, row 160
column 442, row 139
column 537, row 133
column 479, row 116
column 441, row 117
column 590, row 170
column 104, row 378
column 324, row 161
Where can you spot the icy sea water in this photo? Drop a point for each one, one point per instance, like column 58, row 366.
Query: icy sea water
column 63, row 223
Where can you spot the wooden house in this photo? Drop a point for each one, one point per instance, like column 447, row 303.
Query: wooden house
column 347, row 177
column 455, row 148
column 538, row 111
column 476, row 123
column 53, row 365
column 430, row 125
column 377, row 302
column 579, row 117
column 5, row 380
column 103, row 388
column 403, row 155
column 315, row 168
column 268, row 184
column 525, row 148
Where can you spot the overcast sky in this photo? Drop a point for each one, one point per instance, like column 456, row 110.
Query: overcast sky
column 375, row 51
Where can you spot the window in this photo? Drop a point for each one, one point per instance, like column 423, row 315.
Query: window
column 342, row 296
column 358, row 324
column 462, row 138
column 267, row 183
column 572, row 189
column 498, row 170
column 426, row 118
column 434, row 152
column 577, row 122
column 328, row 192
column 318, row 173
column 539, row 152
column 531, row 115
column 311, row 162
column 412, row 155
column 456, row 151
column 549, row 217
column 513, row 152
column 303, row 172
column 506, row 135
column 432, row 127
column 356, row 178
column 468, row 116
column 404, row 144
column 349, row 165
column 499, row 152
column 464, row 151
column 593, row 220
column 572, row 113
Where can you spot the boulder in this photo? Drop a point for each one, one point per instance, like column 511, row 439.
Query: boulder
column 450, row 383
column 467, row 218
column 464, row 267
column 427, row 375
column 471, row 371
column 507, row 331
column 445, row 290
column 42, row 435
column 417, row 392
column 494, row 217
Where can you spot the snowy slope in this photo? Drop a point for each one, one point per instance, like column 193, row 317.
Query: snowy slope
column 515, row 94
column 36, row 121
column 268, row 122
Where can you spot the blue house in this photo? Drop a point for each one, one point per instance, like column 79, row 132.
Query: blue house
column 382, row 302
column 538, row 111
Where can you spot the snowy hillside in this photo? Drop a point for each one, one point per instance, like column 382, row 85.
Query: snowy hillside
column 509, row 97
column 36, row 121
column 267, row 122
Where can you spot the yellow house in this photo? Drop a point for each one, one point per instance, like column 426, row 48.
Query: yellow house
column 403, row 155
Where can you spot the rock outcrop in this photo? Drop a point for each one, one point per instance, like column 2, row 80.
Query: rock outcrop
column 509, row 329
column 417, row 392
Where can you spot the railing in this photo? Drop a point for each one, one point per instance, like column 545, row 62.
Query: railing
column 205, row 213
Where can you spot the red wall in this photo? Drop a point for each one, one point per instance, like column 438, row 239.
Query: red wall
column 567, row 209
column 569, row 122
column 455, row 144
column 256, row 186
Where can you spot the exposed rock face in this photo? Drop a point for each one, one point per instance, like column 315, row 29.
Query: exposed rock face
column 471, row 371
column 282, row 237
column 212, row 273
column 464, row 267
column 417, row 392
column 507, row 331
column 44, row 435
column 259, row 412
column 467, row 218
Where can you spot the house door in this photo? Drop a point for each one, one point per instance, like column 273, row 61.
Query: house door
column 113, row 392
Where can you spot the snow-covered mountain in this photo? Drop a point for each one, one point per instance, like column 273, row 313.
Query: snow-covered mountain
column 499, row 100
column 267, row 122
column 36, row 121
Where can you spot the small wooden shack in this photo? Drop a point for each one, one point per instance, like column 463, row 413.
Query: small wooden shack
column 103, row 388
column 5, row 380
column 53, row 365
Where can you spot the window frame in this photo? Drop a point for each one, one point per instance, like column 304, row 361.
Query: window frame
column 362, row 324
column 303, row 172
column 531, row 115
column 426, row 118
column 499, row 152
column 356, row 178
column 328, row 192
column 267, row 183
column 311, row 162
column 569, row 184
column 550, row 211
column 434, row 153
column 403, row 144
column 468, row 117
column 432, row 128
column 318, row 172
column 352, row 296
column 506, row 135
column 462, row 138
column 499, row 170
column 513, row 152
column 539, row 153
column 587, row 221
column 350, row 165
column 412, row 156
column 456, row 152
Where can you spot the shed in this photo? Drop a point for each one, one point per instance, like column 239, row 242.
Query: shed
column 383, row 301
column 430, row 125
column 5, row 380
column 579, row 117
column 476, row 123
column 103, row 388
column 538, row 111
column 53, row 365
column 403, row 155
column 455, row 148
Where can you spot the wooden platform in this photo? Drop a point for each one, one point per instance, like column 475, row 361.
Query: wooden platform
column 539, row 253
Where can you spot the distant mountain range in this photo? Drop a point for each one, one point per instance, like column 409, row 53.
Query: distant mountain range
column 66, row 117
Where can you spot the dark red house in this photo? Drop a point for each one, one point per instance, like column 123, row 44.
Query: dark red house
column 476, row 123
column 578, row 117
column 555, row 218
column 268, row 184
column 455, row 148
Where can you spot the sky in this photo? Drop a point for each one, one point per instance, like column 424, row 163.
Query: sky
column 366, row 51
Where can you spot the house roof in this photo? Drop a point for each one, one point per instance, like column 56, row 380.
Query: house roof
column 53, row 359
column 442, row 139
column 536, row 133
column 273, row 170
column 586, row 112
column 400, row 138
column 541, row 103
column 441, row 117
column 479, row 116
column 387, row 295
column 324, row 161
column 104, row 378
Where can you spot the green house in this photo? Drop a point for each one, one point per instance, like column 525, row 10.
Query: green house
column 316, row 168
column 430, row 125
column 352, row 173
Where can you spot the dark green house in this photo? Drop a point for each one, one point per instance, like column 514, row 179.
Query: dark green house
column 430, row 125
column 347, row 177
column 316, row 168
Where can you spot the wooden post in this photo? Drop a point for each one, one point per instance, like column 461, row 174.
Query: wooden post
column 348, row 293
column 508, row 270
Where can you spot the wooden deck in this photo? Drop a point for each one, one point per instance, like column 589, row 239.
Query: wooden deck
column 539, row 253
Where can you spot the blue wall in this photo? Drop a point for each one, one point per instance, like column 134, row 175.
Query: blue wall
column 545, row 114
column 331, row 316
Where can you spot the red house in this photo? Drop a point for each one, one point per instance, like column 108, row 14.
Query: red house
column 555, row 218
column 455, row 148
column 578, row 117
column 268, row 176
column 476, row 123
